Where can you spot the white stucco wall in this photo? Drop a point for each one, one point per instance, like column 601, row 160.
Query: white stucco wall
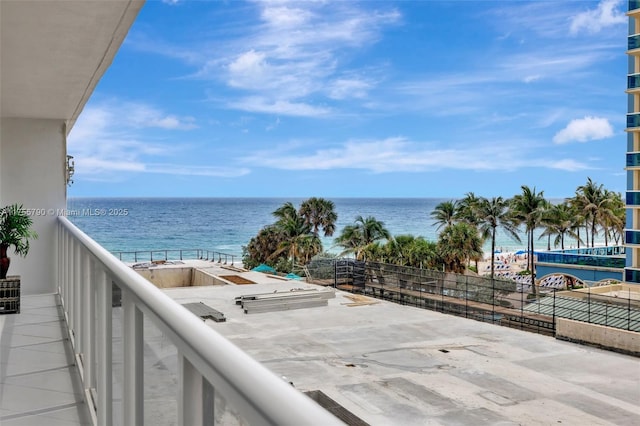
column 32, row 156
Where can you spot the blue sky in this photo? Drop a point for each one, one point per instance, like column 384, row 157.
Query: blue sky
column 359, row 99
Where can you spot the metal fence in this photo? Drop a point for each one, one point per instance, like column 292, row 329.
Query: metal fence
column 177, row 254
column 499, row 301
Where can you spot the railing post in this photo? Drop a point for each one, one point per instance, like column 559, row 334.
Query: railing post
column 195, row 403
column 133, row 389
column 77, row 298
column 88, row 329
column 554, row 312
column 104, row 335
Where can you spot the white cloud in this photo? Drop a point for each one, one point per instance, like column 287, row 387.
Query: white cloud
column 279, row 107
column 584, row 129
column 105, row 142
column 400, row 155
column 569, row 165
column 595, row 20
column 348, row 88
column 297, row 51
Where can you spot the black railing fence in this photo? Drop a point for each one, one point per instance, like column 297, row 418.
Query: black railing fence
column 499, row 301
column 176, row 254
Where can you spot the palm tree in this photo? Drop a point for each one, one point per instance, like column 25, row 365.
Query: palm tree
column 590, row 198
column 319, row 213
column 528, row 209
column 467, row 208
column 492, row 214
column 261, row 247
column 457, row 244
column 560, row 221
column 298, row 241
column 444, row 214
column 611, row 214
column 354, row 238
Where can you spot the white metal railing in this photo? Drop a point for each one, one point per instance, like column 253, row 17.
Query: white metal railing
column 208, row 364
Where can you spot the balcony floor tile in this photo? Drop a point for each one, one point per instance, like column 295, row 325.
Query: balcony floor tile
column 39, row 383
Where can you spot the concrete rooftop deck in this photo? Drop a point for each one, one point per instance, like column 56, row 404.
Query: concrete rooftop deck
column 388, row 364
column 39, row 383
column 392, row 364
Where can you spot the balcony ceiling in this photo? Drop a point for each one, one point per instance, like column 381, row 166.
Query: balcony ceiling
column 53, row 53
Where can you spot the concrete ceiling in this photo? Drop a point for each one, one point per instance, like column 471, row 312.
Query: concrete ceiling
column 54, row 52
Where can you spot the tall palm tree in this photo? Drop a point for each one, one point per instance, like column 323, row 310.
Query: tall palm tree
column 319, row 213
column 467, row 208
column 298, row 240
column 354, row 238
column 286, row 211
column 528, row 209
column 590, row 198
column 492, row 214
column 457, row 244
column 611, row 214
column 444, row 214
column 560, row 221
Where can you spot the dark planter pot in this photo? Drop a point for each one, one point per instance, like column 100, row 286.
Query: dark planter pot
column 10, row 295
column 4, row 261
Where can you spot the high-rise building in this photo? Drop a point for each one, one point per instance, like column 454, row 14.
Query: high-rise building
column 632, row 233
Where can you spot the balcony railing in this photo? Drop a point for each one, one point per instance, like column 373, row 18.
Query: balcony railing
column 633, row 159
column 633, row 5
column 633, row 42
column 633, row 81
column 208, row 365
column 632, row 237
column 632, row 198
column 581, row 260
column 633, row 121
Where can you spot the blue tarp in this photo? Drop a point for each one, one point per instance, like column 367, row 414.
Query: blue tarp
column 263, row 268
column 293, row 276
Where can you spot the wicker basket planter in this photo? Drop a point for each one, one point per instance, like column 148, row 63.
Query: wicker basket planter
column 10, row 295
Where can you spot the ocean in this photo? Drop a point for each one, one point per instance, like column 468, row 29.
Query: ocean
column 226, row 224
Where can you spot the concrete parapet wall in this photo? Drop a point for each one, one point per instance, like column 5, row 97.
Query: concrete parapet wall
column 168, row 277
column 598, row 335
column 203, row 278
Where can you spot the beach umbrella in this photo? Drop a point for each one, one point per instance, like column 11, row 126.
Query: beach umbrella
column 521, row 252
column 263, row 268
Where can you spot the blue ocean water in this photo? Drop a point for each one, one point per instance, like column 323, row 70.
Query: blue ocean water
column 227, row 224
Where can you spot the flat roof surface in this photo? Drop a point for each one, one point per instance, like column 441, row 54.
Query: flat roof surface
column 392, row 364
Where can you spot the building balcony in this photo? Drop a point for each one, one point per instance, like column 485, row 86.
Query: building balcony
column 632, row 199
column 634, row 7
column 633, row 160
column 632, row 275
column 633, row 122
column 632, row 237
column 633, row 83
column 633, row 43
column 111, row 348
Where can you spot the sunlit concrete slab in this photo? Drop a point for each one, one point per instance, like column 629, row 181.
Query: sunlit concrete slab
column 39, row 383
column 393, row 364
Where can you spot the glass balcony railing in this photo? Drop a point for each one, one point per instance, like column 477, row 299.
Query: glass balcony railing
column 582, row 260
column 633, row 42
column 632, row 237
column 633, row 159
column 634, row 4
column 632, row 276
column 633, row 120
column 633, row 81
column 632, row 198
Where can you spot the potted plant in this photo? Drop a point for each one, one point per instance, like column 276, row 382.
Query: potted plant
column 15, row 231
